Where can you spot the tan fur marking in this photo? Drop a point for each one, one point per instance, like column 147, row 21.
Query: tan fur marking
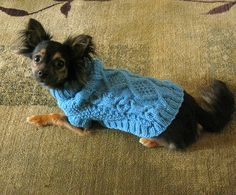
column 155, row 142
column 42, row 52
column 57, row 56
column 55, row 119
column 148, row 142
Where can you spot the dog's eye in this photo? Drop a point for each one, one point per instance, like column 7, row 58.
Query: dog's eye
column 37, row 59
column 60, row 64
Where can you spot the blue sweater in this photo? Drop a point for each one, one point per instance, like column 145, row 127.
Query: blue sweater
column 121, row 100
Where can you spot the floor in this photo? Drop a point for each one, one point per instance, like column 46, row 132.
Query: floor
column 189, row 42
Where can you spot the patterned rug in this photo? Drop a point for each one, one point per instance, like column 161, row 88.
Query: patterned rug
column 187, row 41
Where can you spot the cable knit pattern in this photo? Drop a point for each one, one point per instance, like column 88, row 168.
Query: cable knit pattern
column 121, row 100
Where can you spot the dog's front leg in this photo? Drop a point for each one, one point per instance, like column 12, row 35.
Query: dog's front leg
column 55, row 119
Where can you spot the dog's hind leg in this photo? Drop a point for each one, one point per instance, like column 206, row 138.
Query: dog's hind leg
column 153, row 142
column 55, row 119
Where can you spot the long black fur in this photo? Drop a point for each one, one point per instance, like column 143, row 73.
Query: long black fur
column 212, row 115
column 82, row 50
column 77, row 50
column 219, row 106
column 32, row 36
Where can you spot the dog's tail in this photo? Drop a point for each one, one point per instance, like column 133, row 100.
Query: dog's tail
column 217, row 108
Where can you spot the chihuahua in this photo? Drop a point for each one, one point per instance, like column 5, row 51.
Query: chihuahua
column 58, row 65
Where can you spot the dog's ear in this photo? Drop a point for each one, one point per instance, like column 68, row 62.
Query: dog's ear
column 32, row 36
column 82, row 49
column 82, row 46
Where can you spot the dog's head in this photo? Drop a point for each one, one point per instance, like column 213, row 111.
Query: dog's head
column 55, row 63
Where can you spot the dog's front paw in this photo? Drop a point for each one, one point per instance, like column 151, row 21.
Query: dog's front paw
column 39, row 120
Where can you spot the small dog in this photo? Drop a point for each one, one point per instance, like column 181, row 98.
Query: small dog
column 73, row 65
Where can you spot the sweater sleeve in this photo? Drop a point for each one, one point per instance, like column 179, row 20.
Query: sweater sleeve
column 77, row 114
column 72, row 108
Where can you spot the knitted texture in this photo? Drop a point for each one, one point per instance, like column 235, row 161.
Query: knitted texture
column 121, row 100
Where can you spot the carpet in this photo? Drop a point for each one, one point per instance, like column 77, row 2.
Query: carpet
column 187, row 41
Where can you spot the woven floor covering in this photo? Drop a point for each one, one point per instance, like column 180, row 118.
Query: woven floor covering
column 187, row 41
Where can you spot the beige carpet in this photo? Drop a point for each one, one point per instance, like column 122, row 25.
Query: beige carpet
column 167, row 39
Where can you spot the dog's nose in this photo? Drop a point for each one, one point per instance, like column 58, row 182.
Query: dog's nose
column 41, row 74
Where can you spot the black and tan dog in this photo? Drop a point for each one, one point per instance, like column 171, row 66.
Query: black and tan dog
column 54, row 64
